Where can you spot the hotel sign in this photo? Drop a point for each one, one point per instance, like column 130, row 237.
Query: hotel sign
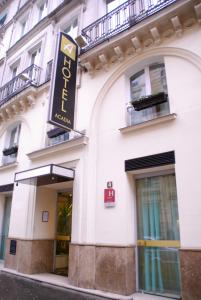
column 62, row 99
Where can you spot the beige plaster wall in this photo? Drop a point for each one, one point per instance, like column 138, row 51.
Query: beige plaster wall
column 46, row 200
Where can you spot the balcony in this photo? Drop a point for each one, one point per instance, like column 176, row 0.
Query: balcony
column 29, row 77
column 121, row 18
column 134, row 27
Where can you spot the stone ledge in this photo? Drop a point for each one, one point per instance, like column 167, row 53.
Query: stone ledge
column 8, row 166
column 67, row 145
column 149, row 123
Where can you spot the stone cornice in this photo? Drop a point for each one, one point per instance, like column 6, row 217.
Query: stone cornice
column 21, row 102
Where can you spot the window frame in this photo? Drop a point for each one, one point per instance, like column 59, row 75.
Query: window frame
column 12, row 66
column 154, row 111
column 70, row 25
column 10, row 145
column 42, row 15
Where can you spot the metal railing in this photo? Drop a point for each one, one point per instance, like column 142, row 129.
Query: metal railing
column 121, row 18
column 29, row 76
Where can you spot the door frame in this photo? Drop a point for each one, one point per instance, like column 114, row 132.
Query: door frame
column 139, row 174
column 7, row 197
column 67, row 190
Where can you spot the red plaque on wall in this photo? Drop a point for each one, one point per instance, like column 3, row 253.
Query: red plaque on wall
column 109, row 197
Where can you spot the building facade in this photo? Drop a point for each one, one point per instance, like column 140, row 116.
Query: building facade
column 113, row 205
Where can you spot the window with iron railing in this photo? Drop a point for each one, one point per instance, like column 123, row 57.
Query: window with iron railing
column 149, row 97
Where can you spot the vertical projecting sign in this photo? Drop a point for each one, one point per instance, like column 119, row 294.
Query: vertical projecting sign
column 62, row 101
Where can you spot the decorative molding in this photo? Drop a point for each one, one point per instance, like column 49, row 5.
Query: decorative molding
column 119, row 53
column 89, row 67
column 31, row 101
column 177, row 26
column 156, row 35
column 104, row 61
column 136, row 43
column 19, row 103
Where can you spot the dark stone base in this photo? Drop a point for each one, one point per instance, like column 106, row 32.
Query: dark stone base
column 32, row 256
column 190, row 261
column 110, row 269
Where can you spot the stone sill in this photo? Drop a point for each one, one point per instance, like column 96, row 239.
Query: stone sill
column 67, row 145
column 7, row 166
column 149, row 123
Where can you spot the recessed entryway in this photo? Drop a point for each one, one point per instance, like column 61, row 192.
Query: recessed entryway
column 6, row 205
column 63, row 232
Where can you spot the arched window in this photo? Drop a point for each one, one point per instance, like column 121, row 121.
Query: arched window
column 149, row 97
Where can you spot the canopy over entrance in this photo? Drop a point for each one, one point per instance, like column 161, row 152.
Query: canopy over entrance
column 44, row 175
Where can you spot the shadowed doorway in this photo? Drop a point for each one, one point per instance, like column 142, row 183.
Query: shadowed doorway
column 63, row 232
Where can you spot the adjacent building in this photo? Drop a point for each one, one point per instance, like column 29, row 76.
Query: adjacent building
column 113, row 204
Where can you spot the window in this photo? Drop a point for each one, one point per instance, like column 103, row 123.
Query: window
column 112, row 4
column 42, row 10
column 49, row 70
column 72, row 28
column 58, row 139
column 35, row 56
column 148, row 89
column 56, row 135
column 23, row 27
column 22, row 2
column 11, row 145
column 14, row 71
column 3, row 17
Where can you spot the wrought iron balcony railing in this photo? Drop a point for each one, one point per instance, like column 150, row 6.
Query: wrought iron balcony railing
column 121, row 18
column 29, row 76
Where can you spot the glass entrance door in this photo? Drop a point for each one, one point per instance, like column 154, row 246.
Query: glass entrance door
column 64, row 218
column 5, row 226
column 158, row 235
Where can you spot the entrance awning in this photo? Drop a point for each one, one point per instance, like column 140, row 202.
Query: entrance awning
column 45, row 175
column 6, row 188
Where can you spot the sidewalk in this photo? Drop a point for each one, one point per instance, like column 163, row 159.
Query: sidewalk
column 61, row 281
